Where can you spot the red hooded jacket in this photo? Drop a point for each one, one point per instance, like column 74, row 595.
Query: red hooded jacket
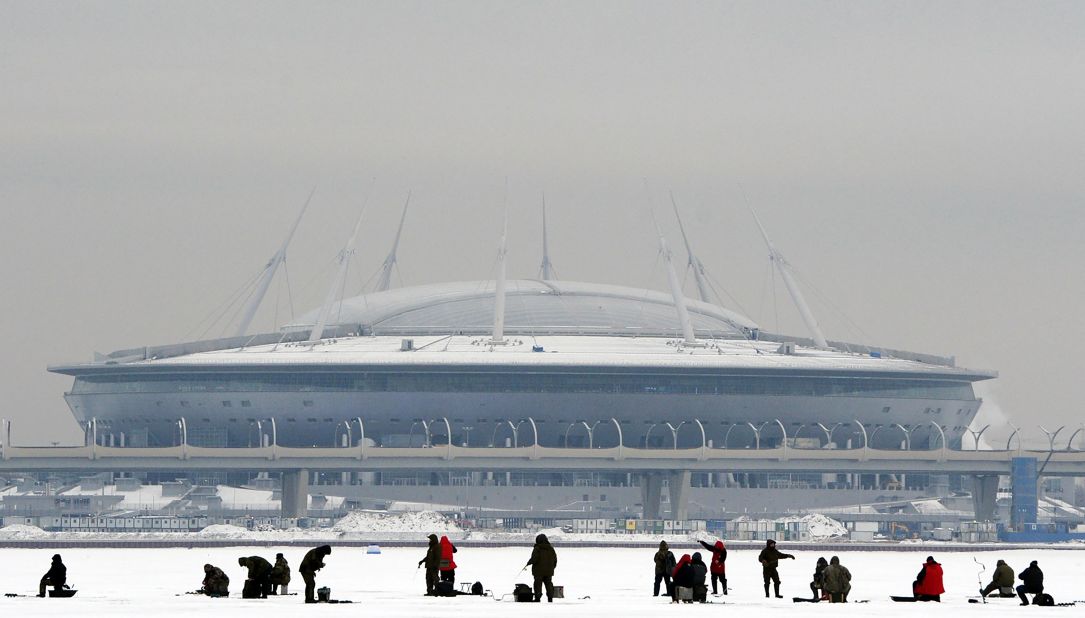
column 681, row 563
column 447, row 549
column 718, row 565
column 931, row 582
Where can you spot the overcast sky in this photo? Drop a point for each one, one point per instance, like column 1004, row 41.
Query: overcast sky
column 921, row 164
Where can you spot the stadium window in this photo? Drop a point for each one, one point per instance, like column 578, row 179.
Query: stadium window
column 308, row 403
column 885, row 410
column 227, row 404
column 245, row 403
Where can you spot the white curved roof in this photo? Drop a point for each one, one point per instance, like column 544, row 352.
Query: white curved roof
column 531, row 307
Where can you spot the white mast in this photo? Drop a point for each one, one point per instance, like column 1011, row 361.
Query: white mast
column 546, row 270
column 385, row 281
column 676, row 290
column 499, row 287
column 784, row 269
column 269, row 273
column 698, row 267
column 337, row 283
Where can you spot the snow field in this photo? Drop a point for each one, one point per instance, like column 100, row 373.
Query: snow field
column 139, row 582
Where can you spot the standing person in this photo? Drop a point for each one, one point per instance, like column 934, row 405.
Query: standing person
column 56, row 576
column 1001, row 578
column 433, row 565
column 259, row 575
column 770, row 558
column 447, row 565
column 718, row 566
column 928, row 583
column 836, row 581
column 543, row 563
column 215, row 582
column 280, row 575
column 664, row 561
column 681, row 576
column 1032, row 580
column 310, row 564
column 817, row 586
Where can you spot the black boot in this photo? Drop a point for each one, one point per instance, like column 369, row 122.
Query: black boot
column 766, row 591
column 777, row 588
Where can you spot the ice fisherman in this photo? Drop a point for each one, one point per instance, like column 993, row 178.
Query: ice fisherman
column 215, row 582
column 718, row 566
column 447, row 565
column 1001, row 579
column 928, row 583
column 260, row 576
column 433, row 565
column 310, row 564
column 664, row 564
column 817, row 586
column 1032, row 580
column 770, row 558
column 836, row 581
column 280, row 575
column 56, row 576
column 543, row 563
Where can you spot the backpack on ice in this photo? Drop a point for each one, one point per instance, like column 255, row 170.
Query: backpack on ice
column 523, row 593
column 445, row 589
column 1043, row 600
column 476, row 589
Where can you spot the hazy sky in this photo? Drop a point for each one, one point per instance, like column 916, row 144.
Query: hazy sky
column 922, row 165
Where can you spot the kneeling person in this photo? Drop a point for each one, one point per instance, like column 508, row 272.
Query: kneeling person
column 215, row 582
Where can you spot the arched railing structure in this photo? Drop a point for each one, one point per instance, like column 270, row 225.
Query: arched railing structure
column 907, row 443
column 1070, row 442
column 535, row 438
column 1051, row 436
column 347, row 435
column 829, row 432
column 182, row 428
column 514, row 429
column 425, row 435
column 942, row 434
column 361, row 436
column 1016, row 434
column 587, row 428
column 750, row 426
column 799, row 432
column 448, row 435
column 976, row 437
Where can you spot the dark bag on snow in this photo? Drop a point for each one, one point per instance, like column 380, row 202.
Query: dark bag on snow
column 523, row 593
column 476, row 589
column 445, row 589
column 1043, row 600
column 251, row 589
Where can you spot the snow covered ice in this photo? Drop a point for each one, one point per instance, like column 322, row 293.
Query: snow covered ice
column 138, row 582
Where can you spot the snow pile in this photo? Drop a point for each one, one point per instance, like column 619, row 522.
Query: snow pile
column 422, row 523
column 822, row 528
column 22, row 531
column 224, row 531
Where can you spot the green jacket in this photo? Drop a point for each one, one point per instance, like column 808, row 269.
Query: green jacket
column 259, row 568
column 314, row 559
column 1003, row 577
column 836, row 578
column 544, row 560
column 280, row 573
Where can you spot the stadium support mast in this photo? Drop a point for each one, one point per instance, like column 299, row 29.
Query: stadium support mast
column 784, row 268
column 676, row 291
column 385, row 280
column 499, row 287
column 694, row 262
column 269, row 273
column 546, row 269
column 337, row 284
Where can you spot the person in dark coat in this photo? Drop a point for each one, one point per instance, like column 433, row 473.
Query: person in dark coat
column 1032, row 580
column 836, row 581
column 718, row 567
column 1001, row 578
column 215, row 582
column 818, row 584
column 259, row 573
column 770, row 558
column 447, row 565
column 543, row 563
column 681, row 576
column 664, row 561
column 56, row 576
column 699, row 572
column 433, row 564
column 280, row 575
column 928, row 583
column 310, row 564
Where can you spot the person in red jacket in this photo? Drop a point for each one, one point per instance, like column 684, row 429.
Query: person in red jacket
column 717, row 568
column 447, row 565
column 928, row 584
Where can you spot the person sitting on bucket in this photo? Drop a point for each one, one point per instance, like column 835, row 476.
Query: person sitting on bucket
column 543, row 563
column 928, row 583
column 280, row 575
column 1001, row 578
column 836, row 581
column 818, row 585
column 681, row 576
column 215, row 582
column 1032, row 580
column 56, row 576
